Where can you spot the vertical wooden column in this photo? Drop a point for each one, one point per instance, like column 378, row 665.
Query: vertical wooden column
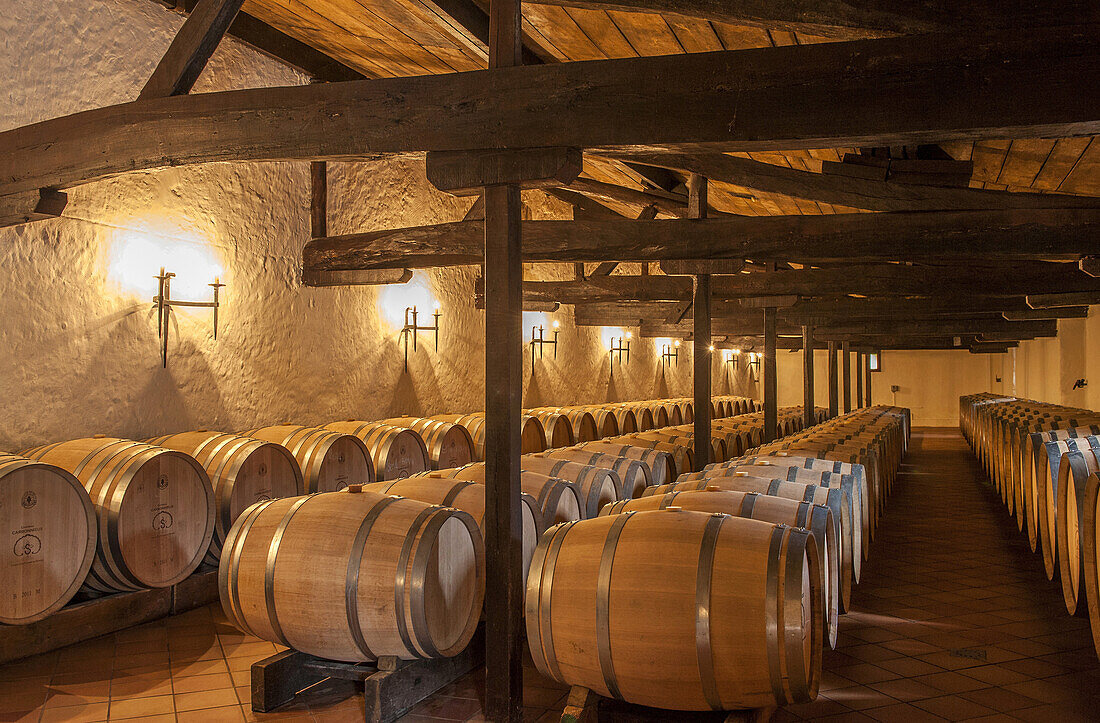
column 701, row 354
column 318, row 199
column 771, row 388
column 867, row 378
column 504, row 366
column 846, row 362
column 834, row 391
column 859, row 380
column 807, row 375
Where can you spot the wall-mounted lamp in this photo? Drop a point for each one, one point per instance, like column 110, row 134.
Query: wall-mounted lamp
column 619, row 345
column 537, row 337
column 731, row 356
column 754, row 363
column 163, row 302
column 412, row 327
column 670, row 353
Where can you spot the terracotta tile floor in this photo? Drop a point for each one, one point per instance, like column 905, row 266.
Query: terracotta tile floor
column 954, row 620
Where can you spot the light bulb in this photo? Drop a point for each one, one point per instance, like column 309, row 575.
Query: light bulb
column 629, row 335
column 710, row 348
column 677, row 343
column 435, row 306
column 556, row 323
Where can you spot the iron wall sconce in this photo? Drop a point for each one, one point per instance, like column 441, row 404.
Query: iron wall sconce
column 163, row 302
column 541, row 341
column 617, row 347
column 754, row 364
column 732, row 356
column 670, row 353
column 412, row 327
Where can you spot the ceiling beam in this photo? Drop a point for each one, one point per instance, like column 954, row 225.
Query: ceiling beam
column 276, row 44
column 894, row 91
column 1060, row 234
column 880, row 280
column 34, row 205
column 861, row 193
column 1063, row 297
column 844, row 19
column 191, row 48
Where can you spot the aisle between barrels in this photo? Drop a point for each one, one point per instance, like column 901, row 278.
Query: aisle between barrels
column 954, row 620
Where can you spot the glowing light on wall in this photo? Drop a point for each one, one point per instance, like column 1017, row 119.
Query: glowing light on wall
column 137, row 257
column 533, row 320
column 616, row 333
column 393, row 299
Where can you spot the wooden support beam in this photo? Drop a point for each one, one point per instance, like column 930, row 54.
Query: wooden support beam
column 1063, row 312
column 874, row 16
column 35, row 205
column 885, row 280
column 991, row 347
column 834, row 390
column 940, row 327
column 861, row 193
column 910, row 90
column 701, row 342
column 583, row 207
column 1090, row 265
column 1067, row 297
column 771, row 389
column 367, row 277
column 765, row 302
column 808, row 376
column 318, row 199
column 859, row 379
column 466, row 19
column 458, row 172
column 504, row 585
column 605, row 268
column 191, row 48
column 276, row 44
column 867, row 378
column 985, row 236
column 846, row 363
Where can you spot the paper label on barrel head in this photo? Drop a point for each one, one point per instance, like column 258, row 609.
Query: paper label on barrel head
column 27, row 545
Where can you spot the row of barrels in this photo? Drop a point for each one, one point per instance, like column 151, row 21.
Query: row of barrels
column 744, row 559
column 1044, row 461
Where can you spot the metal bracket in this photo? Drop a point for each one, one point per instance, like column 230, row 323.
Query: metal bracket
column 163, row 303
column 411, row 329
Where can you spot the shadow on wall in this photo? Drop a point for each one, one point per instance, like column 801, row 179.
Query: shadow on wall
column 660, row 384
column 533, row 396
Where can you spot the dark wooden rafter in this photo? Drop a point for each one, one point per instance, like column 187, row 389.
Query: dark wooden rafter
column 848, row 19
column 1051, row 234
column 458, row 172
column 34, row 205
column 276, row 44
column 1054, row 298
column 857, row 193
column 838, row 330
column 191, row 48
column 875, row 92
column 880, row 280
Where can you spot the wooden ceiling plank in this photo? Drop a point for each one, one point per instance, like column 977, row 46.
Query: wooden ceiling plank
column 1063, row 157
column 1025, row 160
column 557, row 25
column 1085, row 174
column 603, row 31
column 695, row 35
column 648, row 33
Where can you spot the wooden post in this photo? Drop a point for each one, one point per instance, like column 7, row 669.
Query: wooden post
column 807, row 375
column 504, row 366
column 867, row 378
column 859, row 379
column 834, row 391
column 846, row 358
column 318, row 199
column 701, row 354
column 771, row 408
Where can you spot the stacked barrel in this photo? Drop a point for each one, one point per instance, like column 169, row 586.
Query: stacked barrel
column 1044, row 461
column 783, row 529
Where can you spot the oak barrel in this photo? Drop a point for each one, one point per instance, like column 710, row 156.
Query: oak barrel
column 1073, row 474
column 1090, row 553
column 242, row 470
column 468, row 497
column 598, row 486
column 634, row 474
column 355, row 575
column 329, row 460
column 557, row 426
column 558, row 500
column 532, row 436
column 449, row 445
column 818, row 519
column 51, row 527
column 738, row 601
column 661, row 465
column 154, row 510
column 397, row 452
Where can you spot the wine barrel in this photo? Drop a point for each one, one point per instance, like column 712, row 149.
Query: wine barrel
column 468, row 497
column 626, row 419
column 1034, row 474
column 739, row 603
column 355, row 576
column 660, row 415
column 662, row 467
column 1090, row 553
column 154, row 509
column 1073, row 474
column 582, row 421
column 643, row 418
column 449, row 445
column 607, row 424
column 51, row 527
column 634, row 475
column 557, row 499
column 329, row 460
column 675, row 414
column 396, row 452
column 558, row 428
column 835, row 499
column 1047, row 496
column 598, row 486
column 242, row 470
column 816, row 518
column 532, row 436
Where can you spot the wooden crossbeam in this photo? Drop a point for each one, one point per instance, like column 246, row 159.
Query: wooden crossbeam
column 881, row 280
column 191, row 48
column 1063, row 297
column 846, row 19
column 895, row 91
column 458, row 172
column 1061, row 234
column 33, row 205
column 859, row 193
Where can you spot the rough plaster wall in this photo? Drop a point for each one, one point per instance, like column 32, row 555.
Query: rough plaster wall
column 82, row 354
column 1092, row 358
